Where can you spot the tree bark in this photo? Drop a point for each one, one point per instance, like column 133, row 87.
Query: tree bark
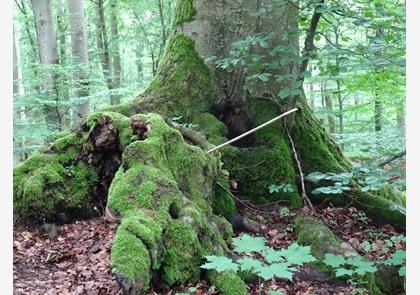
column 330, row 110
column 103, row 45
column 48, row 57
column 80, row 56
column 115, row 53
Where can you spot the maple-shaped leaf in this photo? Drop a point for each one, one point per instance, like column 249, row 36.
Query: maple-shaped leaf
column 272, row 255
column 334, row 260
column 362, row 265
column 219, row 263
column 298, row 255
column 246, row 243
column 340, row 272
column 280, row 270
column 248, row 263
column 397, row 258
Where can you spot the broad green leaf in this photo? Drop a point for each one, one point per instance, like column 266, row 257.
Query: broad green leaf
column 298, row 255
column 248, row 263
column 220, row 263
column 340, row 272
column 275, row 293
column 334, row 260
column 280, row 270
column 248, row 244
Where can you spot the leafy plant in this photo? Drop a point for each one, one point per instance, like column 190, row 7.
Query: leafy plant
column 349, row 267
column 398, row 259
column 272, row 263
column 285, row 212
column 285, row 188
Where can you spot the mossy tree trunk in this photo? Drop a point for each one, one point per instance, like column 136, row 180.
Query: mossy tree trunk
column 158, row 184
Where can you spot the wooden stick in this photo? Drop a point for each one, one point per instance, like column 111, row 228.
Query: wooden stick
column 252, row 130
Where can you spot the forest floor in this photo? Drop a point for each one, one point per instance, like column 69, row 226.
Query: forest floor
column 76, row 259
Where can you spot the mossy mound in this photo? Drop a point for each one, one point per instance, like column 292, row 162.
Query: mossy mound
column 65, row 180
column 229, row 283
column 163, row 192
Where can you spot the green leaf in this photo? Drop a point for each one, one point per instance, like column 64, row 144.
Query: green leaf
column 248, row 263
column 246, row 243
column 275, row 292
column 334, row 260
column 397, row 258
column 220, row 263
column 272, row 255
column 340, row 272
column 280, row 270
column 298, row 255
column 401, row 272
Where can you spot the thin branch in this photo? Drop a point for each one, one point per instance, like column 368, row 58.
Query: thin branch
column 302, row 178
column 394, row 157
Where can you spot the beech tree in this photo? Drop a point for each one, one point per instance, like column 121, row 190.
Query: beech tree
column 156, row 177
column 80, row 54
column 47, row 45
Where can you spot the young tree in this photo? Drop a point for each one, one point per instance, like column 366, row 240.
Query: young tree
column 115, row 52
column 80, row 55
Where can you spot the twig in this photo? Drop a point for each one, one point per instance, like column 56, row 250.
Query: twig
column 302, row 179
column 252, row 130
column 241, row 201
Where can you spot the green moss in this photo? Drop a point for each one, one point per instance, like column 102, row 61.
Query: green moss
column 313, row 232
column 183, row 254
column 229, row 283
column 316, row 149
column 184, row 12
column 182, row 79
column 214, row 130
column 130, row 256
column 391, row 194
column 223, row 203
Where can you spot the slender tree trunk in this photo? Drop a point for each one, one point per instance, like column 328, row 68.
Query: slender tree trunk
column 63, row 79
column 330, row 110
column 80, row 56
column 139, row 64
column 115, row 53
column 48, row 56
column 34, row 54
column 400, row 113
column 162, row 24
column 15, row 66
column 103, row 45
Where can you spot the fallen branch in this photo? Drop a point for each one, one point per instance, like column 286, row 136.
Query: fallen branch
column 394, row 157
column 302, row 179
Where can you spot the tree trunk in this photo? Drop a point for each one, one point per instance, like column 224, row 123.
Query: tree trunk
column 331, row 120
column 80, row 56
column 401, row 113
column 62, row 78
column 103, row 45
column 115, row 51
column 139, row 55
column 48, row 56
column 165, row 191
column 15, row 67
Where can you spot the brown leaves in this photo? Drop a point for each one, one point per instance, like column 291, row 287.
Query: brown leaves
column 77, row 262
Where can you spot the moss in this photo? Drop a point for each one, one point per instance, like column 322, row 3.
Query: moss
column 162, row 191
column 130, row 256
column 255, row 169
column 182, row 79
column 183, row 254
column 223, row 203
column 316, row 149
column 184, row 12
column 313, row 232
column 229, row 283
column 214, row 130
column 388, row 192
